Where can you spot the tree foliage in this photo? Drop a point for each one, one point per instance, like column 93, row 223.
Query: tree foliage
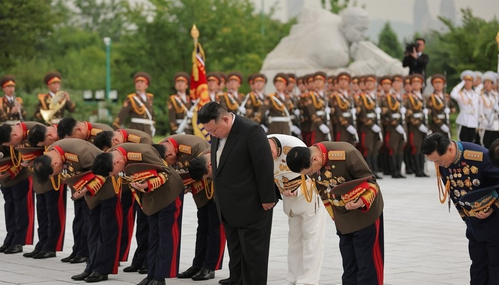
column 336, row 6
column 389, row 43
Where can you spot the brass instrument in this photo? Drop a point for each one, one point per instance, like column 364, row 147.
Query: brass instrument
column 56, row 103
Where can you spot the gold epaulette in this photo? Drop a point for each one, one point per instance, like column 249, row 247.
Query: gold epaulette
column 137, row 109
column 134, row 156
column 338, row 155
column 71, row 156
column 133, row 138
column 175, row 102
column 150, row 95
column 185, row 149
column 473, row 155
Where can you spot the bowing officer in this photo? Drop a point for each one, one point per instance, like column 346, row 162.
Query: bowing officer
column 52, row 106
column 71, row 128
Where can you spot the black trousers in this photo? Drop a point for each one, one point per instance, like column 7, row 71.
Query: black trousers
column 489, row 137
column 51, row 216
column 19, row 213
column 249, row 251
column 80, row 228
column 164, row 241
column 362, row 253
column 142, row 238
column 467, row 134
column 104, row 235
column 210, row 238
column 127, row 205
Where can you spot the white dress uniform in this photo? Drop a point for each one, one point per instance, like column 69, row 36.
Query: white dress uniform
column 488, row 110
column 468, row 101
column 307, row 217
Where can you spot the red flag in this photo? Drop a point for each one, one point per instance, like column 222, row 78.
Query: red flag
column 199, row 87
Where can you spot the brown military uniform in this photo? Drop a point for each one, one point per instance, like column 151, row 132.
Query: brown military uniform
column 394, row 140
column 94, row 129
column 177, row 113
column 135, row 136
column 370, row 141
column 44, row 101
column 316, row 112
column 6, row 105
column 253, row 105
column 140, row 112
column 415, row 118
column 342, row 103
column 278, row 119
column 229, row 101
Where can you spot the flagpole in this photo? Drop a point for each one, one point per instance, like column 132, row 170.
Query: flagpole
column 497, row 40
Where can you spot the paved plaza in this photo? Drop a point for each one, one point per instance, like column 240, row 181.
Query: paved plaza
column 424, row 244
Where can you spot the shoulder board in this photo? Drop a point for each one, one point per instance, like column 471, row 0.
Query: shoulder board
column 95, row 131
column 71, row 156
column 150, row 95
column 286, row 149
column 185, row 149
column 20, row 100
column 134, row 156
column 130, row 96
column 473, row 155
column 133, row 138
column 336, row 155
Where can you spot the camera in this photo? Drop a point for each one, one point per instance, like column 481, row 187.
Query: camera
column 409, row 48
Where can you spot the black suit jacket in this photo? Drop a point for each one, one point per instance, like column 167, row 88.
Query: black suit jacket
column 244, row 177
column 416, row 65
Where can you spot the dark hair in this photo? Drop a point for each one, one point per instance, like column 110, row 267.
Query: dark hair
column 65, row 127
column 298, row 158
column 435, row 142
column 5, row 131
column 103, row 139
column 161, row 149
column 37, row 134
column 494, row 153
column 103, row 164
column 42, row 168
column 197, row 167
column 420, row 39
column 211, row 111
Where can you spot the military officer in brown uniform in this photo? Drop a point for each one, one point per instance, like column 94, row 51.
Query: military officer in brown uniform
column 71, row 128
column 255, row 98
column 314, row 111
column 230, row 99
column 138, row 106
column 223, row 81
column 305, row 120
column 71, row 158
column 213, row 81
column 159, row 186
column 107, row 139
column 417, row 130
column 371, row 136
column 51, row 107
column 278, row 107
column 41, row 135
column 344, row 112
column 440, row 106
column 11, row 107
column 357, row 208
column 179, row 106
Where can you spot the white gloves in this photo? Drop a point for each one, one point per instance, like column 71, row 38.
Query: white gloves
column 327, row 110
column 297, row 112
column 376, row 128
column 296, row 130
column 425, row 111
column 447, row 110
column 351, row 129
column 445, row 128
column 265, row 129
column 242, row 110
column 422, row 128
column 403, row 110
column 377, row 110
column 400, row 129
column 189, row 114
column 324, row 129
column 353, row 111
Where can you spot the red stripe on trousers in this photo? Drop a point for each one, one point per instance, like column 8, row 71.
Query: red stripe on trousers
column 411, row 143
column 222, row 247
column 312, row 138
column 130, row 225
column 363, row 144
column 387, row 140
column 62, row 218
column 175, row 238
column 377, row 257
column 338, row 136
column 119, row 218
column 30, row 206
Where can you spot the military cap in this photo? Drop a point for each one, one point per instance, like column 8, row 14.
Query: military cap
column 6, row 164
column 281, row 77
column 88, row 179
column 385, row 79
column 398, row 77
column 370, row 77
column 259, row 77
column 348, row 186
column 468, row 75
column 344, row 75
column 223, row 77
column 478, row 200
column 320, row 75
column 235, row 75
column 355, row 79
column 30, row 153
column 184, row 76
column 215, row 76
column 8, row 80
column 438, row 78
column 478, row 74
column 308, row 78
column 291, row 77
column 250, row 78
column 51, row 77
column 142, row 76
column 417, row 78
column 490, row 76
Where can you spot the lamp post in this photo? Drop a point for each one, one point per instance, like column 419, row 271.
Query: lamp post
column 107, row 42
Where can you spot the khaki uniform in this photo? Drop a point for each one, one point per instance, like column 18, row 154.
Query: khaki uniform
column 305, row 120
column 415, row 118
column 177, row 112
column 135, row 136
column 370, row 141
column 44, row 103
column 253, row 105
column 140, row 111
column 342, row 116
column 436, row 105
column 6, row 117
column 394, row 140
column 94, row 129
column 229, row 101
column 278, row 118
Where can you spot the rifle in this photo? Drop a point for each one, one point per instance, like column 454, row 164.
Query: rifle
column 446, row 107
column 353, row 111
column 328, row 115
column 183, row 125
column 378, row 115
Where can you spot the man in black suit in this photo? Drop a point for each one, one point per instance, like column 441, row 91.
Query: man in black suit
column 244, row 190
column 416, row 60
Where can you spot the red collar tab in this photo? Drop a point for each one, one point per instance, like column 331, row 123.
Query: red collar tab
column 323, row 150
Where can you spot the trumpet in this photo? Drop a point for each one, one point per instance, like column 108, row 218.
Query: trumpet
column 56, row 103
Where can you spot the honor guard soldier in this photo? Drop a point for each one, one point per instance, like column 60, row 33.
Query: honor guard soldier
column 230, row 99
column 277, row 106
column 213, row 81
column 440, row 106
column 344, row 113
column 210, row 236
column 254, row 99
column 356, row 206
column 467, row 99
column 52, row 106
column 11, row 107
column 295, row 99
column 478, row 79
column 488, row 110
column 305, row 120
column 179, row 106
column 306, row 215
column 371, row 136
column 158, row 187
column 138, row 106
column 467, row 177
column 318, row 110
column 71, row 128
column 395, row 133
column 223, row 81
column 355, row 87
column 362, row 83
column 408, row 161
column 417, row 116
column 73, row 158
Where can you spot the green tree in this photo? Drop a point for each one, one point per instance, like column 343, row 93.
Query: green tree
column 339, row 5
column 23, row 23
column 388, row 42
